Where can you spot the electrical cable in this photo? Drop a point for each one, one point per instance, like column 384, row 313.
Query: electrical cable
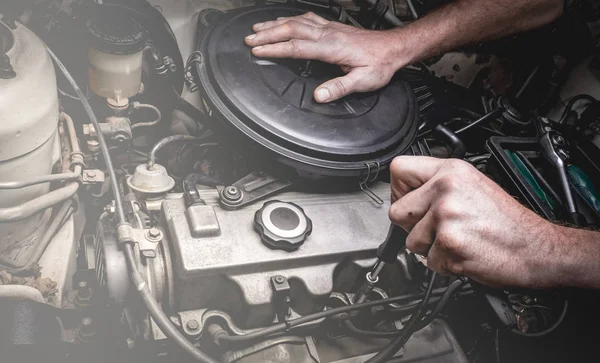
column 480, row 120
column 291, row 324
column 154, row 309
column 394, row 346
column 440, row 304
column 572, row 102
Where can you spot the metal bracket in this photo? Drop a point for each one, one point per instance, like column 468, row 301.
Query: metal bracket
column 249, row 189
column 147, row 239
column 282, row 298
column 92, row 176
column 373, row 170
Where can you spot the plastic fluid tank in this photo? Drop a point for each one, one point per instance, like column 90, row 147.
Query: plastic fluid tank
column 29, row 143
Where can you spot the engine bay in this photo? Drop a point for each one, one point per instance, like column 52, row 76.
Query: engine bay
column 165, row 195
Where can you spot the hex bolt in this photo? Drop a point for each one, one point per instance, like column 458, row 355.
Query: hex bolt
column 154, row 234
column 279, row 279
column 193, row 325
column 82, row 284
column 130, row 342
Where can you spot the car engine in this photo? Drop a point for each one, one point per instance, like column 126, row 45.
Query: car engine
column 167, row 196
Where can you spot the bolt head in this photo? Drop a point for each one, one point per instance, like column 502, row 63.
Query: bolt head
column 154, row 232
column 193, row 324
column 279, row 279
column 82, row 284
column 130, row 343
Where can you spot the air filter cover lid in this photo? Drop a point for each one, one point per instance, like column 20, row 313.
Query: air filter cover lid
column 271, row 101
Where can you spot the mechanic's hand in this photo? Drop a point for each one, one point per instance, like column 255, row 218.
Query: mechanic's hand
column 466, row 224
column 368, row 57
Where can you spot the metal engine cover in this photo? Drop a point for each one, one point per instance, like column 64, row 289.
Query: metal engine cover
column 221, row 262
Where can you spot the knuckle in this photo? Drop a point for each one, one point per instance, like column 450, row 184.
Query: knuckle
column 396, row 167
column 287, row 27
column 447, row 209
column 458, row 166
column 448, row 183
column 447, row 241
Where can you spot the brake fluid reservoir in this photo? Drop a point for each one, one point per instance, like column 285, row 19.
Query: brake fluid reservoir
column 117, row 44
column 29, row 144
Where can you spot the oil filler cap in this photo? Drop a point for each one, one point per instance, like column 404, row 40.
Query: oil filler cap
column 282, row 225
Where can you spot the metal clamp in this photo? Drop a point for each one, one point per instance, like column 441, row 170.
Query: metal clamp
column 282, row 298
column 373, row 171
column 255, row 186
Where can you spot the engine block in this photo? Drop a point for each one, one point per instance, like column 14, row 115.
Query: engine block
column 231, row 269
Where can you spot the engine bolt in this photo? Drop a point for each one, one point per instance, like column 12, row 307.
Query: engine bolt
column 154, row 234
column 82, row 284
column 232, row 194
column 193, row 324
column 279, row 279
column 91, row 174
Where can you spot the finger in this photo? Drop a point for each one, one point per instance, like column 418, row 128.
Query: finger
column 411, row 208
column 295, row 48
column 437, row 260
column 288, row 31
column 421, row 237
column 339, row 87
column 280, row 21
column 412, row 172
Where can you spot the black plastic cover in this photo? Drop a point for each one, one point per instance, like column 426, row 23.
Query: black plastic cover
column 114, row 31
column 271, row 102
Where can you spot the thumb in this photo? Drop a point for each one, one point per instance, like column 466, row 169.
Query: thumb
column 337, row 88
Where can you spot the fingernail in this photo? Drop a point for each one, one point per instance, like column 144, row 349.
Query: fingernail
column 251, row 36
column 323, row 94
column 257, row 48
column 258, row 25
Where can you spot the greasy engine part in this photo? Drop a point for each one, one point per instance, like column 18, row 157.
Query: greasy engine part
column 29, row 141
column 269, row 105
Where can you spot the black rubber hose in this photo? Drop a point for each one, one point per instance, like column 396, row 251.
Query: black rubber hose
column 572, row 103
column 459, row 149
column 190, row 189
column 152, row 305
column 389, row 16
column 394, row 346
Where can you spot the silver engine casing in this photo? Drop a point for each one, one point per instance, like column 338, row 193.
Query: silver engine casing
column 230, row 269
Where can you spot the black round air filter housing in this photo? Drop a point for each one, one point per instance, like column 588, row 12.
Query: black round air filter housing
column 270, row 102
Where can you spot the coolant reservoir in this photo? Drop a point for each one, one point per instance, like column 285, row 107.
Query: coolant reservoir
column 117, row 44
column 29, row 144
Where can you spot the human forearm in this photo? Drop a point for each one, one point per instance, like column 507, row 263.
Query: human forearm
column 568, row 257
column 466, row 22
